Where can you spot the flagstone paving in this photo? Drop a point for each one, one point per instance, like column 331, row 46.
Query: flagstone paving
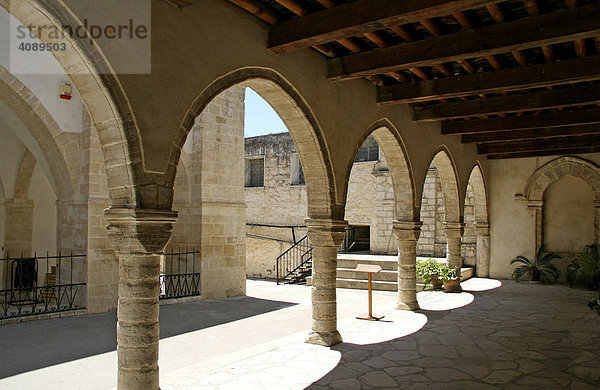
column 493, row 335
column 514, row 336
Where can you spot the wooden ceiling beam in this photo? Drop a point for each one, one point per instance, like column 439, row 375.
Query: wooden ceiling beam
column 555, row 98
column 358, row 17
column 521, row 135
column 555, row 152
column 525, row 122
column 327, row 3
column 567, row 25
column 540, row 144
column 510, row 79
column 256, row 10
column 402, row 33
column 293, row 6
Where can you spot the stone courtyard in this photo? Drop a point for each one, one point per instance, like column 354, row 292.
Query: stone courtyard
column 493, row 335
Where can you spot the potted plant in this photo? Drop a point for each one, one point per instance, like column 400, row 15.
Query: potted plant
column 450, row 278
column 540, row 269
column 429, row 271
column 589, row 262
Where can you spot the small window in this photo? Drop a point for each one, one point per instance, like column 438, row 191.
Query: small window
column 297, row 173
column 369, row 150
column 255, row 172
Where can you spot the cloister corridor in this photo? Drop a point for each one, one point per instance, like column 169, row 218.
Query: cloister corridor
column 497, row 334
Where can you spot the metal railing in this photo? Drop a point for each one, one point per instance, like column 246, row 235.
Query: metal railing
column 180, row 274
column 41, row 284
column 295, row 264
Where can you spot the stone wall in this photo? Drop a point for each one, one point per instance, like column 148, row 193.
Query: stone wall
column 209, row 196
column 513, row 227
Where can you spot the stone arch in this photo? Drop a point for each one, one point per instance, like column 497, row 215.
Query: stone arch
column 299, row 119
column 24, row 175
column 394, row 150
column 45, row 131
column 449, row 179
column 104, row 99
column 546, row 175
column 480, row 194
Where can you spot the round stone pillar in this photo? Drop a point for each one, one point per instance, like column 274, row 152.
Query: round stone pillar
column 454, row 232
column 325, row 235
column 408, row 234
column 139, row 237
column 482, row 265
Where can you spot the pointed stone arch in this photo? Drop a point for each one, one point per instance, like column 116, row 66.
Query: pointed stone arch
column 299, row 119
column 104, row 99
column 546, row 175
column 24, row 175
column 393, row 148
column 449, row 178
column 479, row 226
column 480, row 195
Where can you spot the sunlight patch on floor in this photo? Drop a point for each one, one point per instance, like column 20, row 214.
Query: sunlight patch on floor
column 439, row 300
column 395, row 324
column 480, row 284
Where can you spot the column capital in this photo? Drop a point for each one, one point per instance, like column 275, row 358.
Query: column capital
column 454, row 229
column 482, row 228
column 407, row 230
column 326, row 232
column 139, row 231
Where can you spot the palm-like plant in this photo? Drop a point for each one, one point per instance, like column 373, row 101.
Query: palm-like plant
column 540, row 268
column 589, row 260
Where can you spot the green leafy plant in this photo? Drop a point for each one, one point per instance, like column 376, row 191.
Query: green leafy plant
column 589, row 262
column 426, row 268
column 577, row 277
column 538, row 269
column 449, row 273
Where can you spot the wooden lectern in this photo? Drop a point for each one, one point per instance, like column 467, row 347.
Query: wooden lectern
column 369, row 270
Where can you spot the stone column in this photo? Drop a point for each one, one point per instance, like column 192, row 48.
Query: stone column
column 325, row 235
column 454, row 232
column 482, row 264
column 139, row 237
column 538, row 209
column 18, row 229
column 408, row 235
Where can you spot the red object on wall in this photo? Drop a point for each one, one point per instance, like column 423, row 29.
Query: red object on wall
column 66, row 91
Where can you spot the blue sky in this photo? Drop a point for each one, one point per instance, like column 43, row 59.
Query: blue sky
column 260, row 118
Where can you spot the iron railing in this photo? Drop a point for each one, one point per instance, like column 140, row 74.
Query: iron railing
column 180, row 274
column 295, row 264
column 41, row 284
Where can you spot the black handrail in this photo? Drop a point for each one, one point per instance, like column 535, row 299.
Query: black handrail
column 297, row 257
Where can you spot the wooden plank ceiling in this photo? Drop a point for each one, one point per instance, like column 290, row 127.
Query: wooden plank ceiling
column 518, row 78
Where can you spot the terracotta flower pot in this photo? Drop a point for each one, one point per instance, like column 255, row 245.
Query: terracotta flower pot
column 436, row 282
column 452, row 285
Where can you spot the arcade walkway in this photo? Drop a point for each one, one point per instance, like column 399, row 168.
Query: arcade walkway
column 492, row 336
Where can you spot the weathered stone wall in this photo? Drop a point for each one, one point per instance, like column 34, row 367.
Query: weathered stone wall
column 513, row 223
column 209, row 196
column 370, row 202
column 432, row 241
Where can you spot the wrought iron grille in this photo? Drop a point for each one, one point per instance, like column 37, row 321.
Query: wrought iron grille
column 180, row 274
column 41, row 284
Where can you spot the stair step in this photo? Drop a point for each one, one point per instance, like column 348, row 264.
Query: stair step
column 350, row 273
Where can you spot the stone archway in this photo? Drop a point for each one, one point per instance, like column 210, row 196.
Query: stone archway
column 298, row 118
column 402, row 217
column 477, row 193
column 453, row 219
column 546, row 175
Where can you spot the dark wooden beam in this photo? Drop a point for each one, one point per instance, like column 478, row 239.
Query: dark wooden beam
column 550, row 119
column 358, row 17
column 540, row 144
column 522, row 135
column 542, row 75
column 555, row 152
column 556, row 98
column 566, row 25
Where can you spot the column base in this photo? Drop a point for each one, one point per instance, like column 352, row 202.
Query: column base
column 407, row 306
column 325, row 339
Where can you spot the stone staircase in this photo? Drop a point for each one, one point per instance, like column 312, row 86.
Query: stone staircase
column 386, row 280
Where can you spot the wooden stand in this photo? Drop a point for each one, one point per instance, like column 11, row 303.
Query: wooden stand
column 369, row 270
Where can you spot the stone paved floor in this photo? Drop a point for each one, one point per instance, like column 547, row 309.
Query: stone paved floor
column 492, row 336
